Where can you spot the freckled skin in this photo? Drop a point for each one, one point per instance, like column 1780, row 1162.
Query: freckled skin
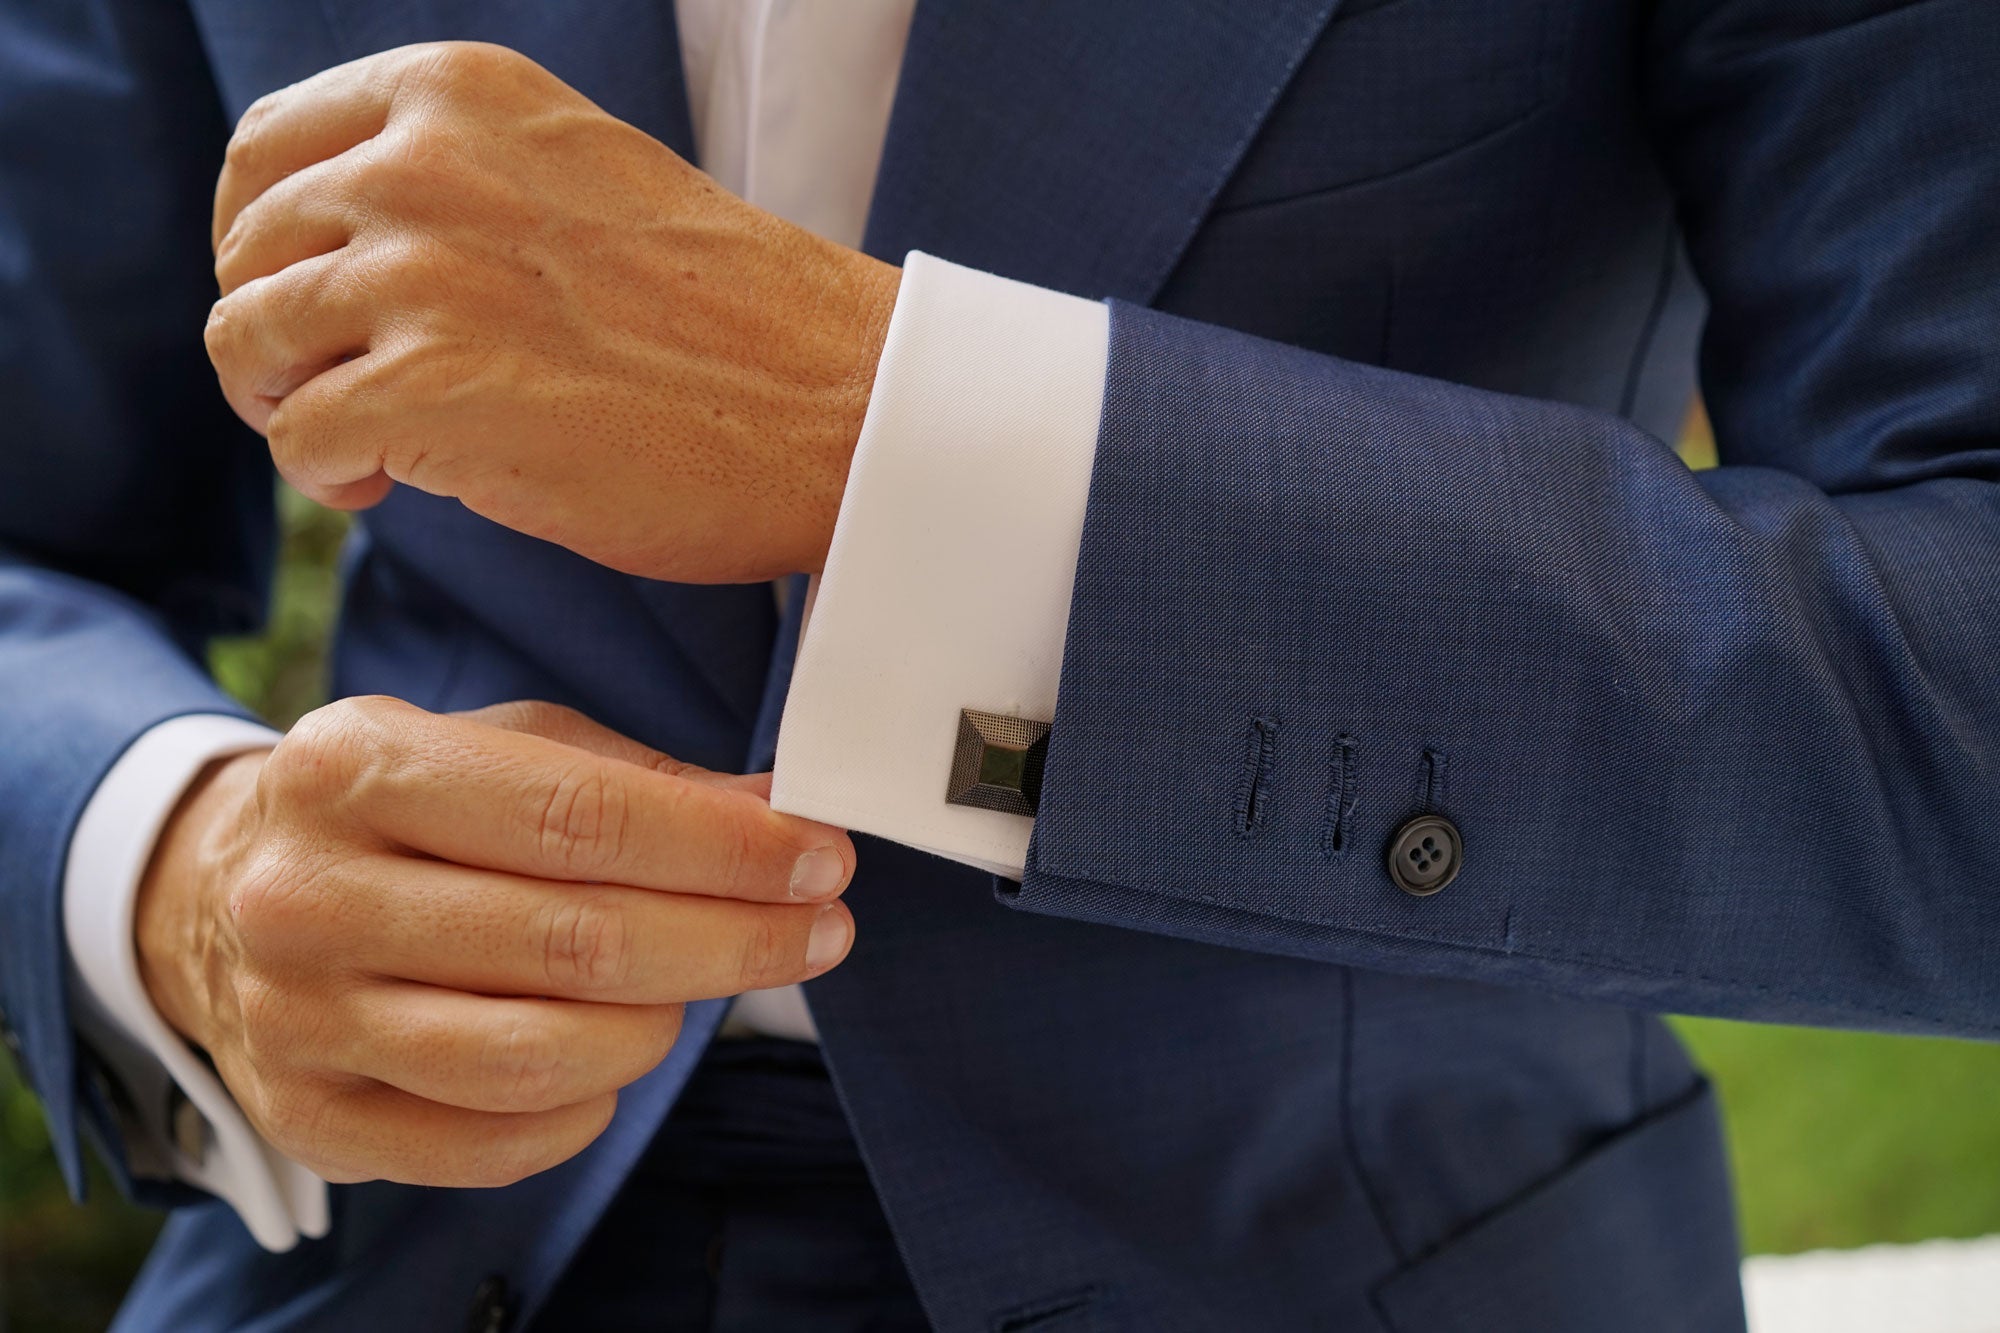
column 443, row 267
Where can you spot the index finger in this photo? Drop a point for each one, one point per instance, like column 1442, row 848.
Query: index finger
column 510, row 801
column 312, row 120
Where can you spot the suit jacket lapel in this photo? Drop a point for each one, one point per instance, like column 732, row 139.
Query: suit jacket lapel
column 1077, row 145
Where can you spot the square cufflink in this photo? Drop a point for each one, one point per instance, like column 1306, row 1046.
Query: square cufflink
column 998, row 762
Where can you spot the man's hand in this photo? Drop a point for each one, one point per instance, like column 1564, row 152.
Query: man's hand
column 430, row 949
column 442, row 266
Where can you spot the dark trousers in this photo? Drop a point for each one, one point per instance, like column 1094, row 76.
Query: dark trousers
column 751, row 1212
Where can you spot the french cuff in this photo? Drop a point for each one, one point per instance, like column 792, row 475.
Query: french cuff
column 174, row 1111
column 947, row 586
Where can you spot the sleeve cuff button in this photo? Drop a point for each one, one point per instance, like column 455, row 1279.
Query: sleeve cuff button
column 1425, row 855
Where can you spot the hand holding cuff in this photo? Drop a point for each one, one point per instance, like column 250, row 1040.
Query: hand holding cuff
column 212, row 1146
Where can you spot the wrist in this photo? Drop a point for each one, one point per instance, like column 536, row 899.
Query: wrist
column 173, row 927
column 869, row 289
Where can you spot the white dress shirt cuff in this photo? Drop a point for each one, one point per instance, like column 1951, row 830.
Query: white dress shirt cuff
column 948, row 582
column 208, row 1143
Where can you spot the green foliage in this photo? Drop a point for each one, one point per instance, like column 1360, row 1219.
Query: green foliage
column 1838, row 1138
column 1842, row 1139
column 281, row 672
column 62, row 1268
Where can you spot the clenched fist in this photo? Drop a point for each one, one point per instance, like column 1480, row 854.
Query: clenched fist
column 444, row 267
column 431, row 949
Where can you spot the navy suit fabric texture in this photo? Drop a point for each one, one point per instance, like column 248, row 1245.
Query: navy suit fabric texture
column 1409, row 294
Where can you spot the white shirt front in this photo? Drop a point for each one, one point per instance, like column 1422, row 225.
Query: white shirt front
column 979, row 437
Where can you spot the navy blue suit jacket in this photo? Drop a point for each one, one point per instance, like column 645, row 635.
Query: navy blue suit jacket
column 1409, row 295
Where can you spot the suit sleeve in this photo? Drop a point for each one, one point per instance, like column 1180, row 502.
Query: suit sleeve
column 135, row 513
column 1725, row 742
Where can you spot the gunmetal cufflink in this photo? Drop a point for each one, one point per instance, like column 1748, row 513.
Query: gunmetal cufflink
column 998, row 762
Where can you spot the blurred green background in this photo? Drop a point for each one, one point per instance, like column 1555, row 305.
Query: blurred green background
column 1839, row 1139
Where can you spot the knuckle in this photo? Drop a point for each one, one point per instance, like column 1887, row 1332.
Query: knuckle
column 227, row 251
column 316, row 755
column 226, row 333
column 292, row 298
column 446, row 62
column 257, row 221
column 522, row 1064
column 471, row 65
column 379, row 718
column 343, row 751
column 587, row 945
column 309, row 435
column 440, row 295
column 321, row 739
column 403, row 163
column 267, row 907
column 373, row 731
column 666, row 765
column 738, row 850
column 765, row 952
column 246, row 144
column 584, row 822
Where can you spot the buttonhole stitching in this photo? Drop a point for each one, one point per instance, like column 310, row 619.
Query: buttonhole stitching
column 1342, row 795
column 1431, row 781
column 1253, row 790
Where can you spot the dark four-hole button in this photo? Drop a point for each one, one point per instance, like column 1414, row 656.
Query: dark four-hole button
column 1425, row 854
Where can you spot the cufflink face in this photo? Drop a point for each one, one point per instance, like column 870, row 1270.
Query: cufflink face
column 998, row 762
